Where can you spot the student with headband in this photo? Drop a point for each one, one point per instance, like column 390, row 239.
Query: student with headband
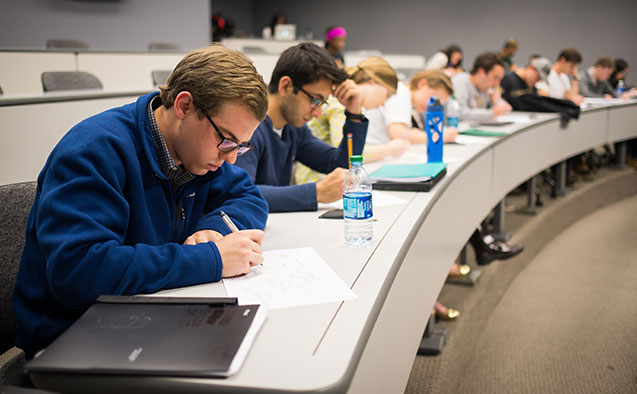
column 377, row 81
column 335, row 42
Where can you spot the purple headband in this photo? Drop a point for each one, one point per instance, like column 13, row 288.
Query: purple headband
column 335, row 32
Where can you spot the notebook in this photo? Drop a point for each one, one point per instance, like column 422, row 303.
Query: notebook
column 482, row 133
column 160, row 336
column 408, row 177
column 496, row 123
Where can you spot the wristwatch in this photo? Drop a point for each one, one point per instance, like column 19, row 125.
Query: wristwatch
column 359, row 117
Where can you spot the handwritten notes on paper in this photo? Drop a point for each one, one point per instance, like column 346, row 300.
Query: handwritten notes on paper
column 289, row 277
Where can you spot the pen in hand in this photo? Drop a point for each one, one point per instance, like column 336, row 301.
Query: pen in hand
column 226, row 219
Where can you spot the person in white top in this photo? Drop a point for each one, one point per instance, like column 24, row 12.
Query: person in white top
column 394, row 119
column 563, row 82
column 448, row 60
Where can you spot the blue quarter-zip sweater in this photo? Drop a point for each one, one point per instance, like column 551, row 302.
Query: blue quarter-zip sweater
column 270, row 162
column 106, row 220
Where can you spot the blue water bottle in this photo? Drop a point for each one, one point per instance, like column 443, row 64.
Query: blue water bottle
column 434, row 127
column 621, row 87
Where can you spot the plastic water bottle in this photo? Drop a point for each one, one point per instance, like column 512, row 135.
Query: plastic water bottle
column 453, row 112
column 621, row 87
column 434, row 126
column 357, row 204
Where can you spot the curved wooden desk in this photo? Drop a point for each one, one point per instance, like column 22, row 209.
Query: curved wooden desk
column 369, row 344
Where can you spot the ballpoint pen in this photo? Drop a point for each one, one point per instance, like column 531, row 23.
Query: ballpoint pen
column 226, row 219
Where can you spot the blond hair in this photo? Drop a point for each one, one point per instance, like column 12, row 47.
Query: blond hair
column 376, row 69
column 216, row 75
column 435, row 79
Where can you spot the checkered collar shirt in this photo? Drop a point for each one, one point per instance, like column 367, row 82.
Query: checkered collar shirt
column 177, row 174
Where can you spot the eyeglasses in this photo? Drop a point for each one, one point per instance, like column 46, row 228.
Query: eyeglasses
column 227, row 145
column 315, row 102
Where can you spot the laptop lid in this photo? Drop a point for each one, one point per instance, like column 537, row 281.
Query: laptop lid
column 191, row 338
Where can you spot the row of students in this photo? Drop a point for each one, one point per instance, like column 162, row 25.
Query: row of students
column 129, row 200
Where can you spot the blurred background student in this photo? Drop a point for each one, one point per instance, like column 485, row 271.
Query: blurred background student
column 335, row 37
column 448, row 60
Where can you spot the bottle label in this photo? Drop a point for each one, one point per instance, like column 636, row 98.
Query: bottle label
column 452, row 121
column 357, row 205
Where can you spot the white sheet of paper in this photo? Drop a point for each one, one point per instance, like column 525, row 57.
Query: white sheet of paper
column 379, row 199
column 471, row 140
column 289, row 277
column 516, row 118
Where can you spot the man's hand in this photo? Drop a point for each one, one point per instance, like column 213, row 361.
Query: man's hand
column 330, row 188
column 203, row 236
column 578, row 99
column 501, row 109
column 240, row 251
column 449, row 134
column 398, row 147
column 349, row 94
column 495, row 95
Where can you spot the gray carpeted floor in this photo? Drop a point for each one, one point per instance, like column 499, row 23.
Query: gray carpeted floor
column 566, row 322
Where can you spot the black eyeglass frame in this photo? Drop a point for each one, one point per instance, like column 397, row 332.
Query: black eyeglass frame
column 315, row 102
column 241, row 148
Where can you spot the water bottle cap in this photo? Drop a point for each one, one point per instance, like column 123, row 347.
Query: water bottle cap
column 434, row 104
column 356, row 159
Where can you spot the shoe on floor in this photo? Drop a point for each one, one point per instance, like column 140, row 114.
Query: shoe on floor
column 497, row 251
column 444, row 313
column 460, row 272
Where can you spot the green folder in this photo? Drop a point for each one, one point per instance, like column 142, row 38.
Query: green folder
column 408, row 172
column 482, row 133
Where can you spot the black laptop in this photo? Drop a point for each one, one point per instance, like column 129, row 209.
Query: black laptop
column 159, row 336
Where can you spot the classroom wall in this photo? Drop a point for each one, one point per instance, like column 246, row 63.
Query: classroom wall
column 105, row 24
column 422, row 27
column 406, row 26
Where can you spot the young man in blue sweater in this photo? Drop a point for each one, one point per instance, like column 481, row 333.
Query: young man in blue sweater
column 128, row 202
column 303, row 78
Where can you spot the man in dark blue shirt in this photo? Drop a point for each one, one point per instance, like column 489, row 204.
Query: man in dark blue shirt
column 129, row 200
column 303, row 78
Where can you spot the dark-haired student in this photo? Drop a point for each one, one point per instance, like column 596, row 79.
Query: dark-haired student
column 594, row 81
column 448, row 60
column 304, row 77
column 522, row 81
column 620, row 72
column 335, row 38
column 509, row 49
column 563, row 80
column 478, row 92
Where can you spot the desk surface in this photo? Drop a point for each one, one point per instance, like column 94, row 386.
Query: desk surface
column 369, row 344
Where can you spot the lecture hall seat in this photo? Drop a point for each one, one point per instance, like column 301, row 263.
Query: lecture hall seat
column 69, row 80
column 54, row 43
column 17, row 198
